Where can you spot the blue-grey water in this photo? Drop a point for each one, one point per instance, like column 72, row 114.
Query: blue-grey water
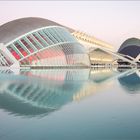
column 70, row 104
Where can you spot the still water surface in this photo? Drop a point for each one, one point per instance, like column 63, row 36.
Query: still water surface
column 70, row 104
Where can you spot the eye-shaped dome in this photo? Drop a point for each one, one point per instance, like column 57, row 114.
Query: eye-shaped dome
column 130, row 47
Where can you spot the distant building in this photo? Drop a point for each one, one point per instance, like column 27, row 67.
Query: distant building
column 98, row 50
column 100, row 57
column 130, row 49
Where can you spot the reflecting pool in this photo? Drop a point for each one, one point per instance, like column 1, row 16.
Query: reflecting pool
column 70, row 104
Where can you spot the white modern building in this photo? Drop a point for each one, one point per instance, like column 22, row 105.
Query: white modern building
column 37, row 42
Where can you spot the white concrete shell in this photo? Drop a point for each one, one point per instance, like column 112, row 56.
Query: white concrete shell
column 35, row 42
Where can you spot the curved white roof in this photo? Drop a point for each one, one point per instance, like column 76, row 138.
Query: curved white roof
column 18, row 27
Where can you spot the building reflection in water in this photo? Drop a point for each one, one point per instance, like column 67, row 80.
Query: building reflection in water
column 39, row 92
column 131, row 82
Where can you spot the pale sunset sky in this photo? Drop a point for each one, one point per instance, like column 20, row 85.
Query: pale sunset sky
column 110, row 21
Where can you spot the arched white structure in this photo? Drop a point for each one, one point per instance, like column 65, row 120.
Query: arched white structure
column 50, row 45
column 92, row 43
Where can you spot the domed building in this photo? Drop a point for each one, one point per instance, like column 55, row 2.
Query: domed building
column 37, row 42
column 131, row 49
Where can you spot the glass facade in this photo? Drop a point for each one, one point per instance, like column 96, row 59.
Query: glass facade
column 50, row 46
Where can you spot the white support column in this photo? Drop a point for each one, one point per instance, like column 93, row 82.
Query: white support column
column 138, row 58
column 4, row 49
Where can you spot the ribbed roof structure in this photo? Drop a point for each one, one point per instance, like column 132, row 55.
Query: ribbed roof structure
column 18, row 27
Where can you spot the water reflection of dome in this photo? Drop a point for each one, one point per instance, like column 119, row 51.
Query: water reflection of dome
column 39, row 92
column 31, row 96
column 17, row 107
column 131, row 82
